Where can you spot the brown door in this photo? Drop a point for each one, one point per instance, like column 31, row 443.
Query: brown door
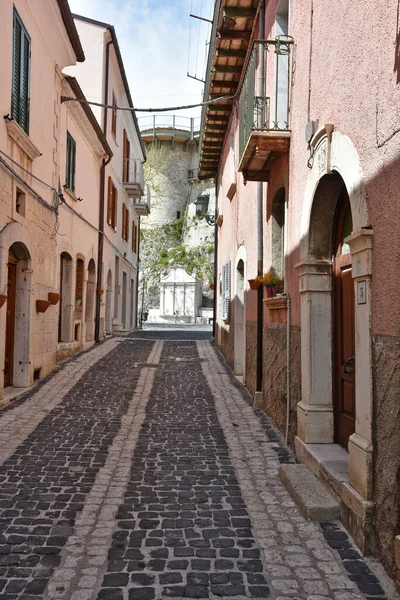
column 343, row 326
column 10, row 321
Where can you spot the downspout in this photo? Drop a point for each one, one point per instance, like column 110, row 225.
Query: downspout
column 260, row 305
column 137, row 277
column 101, row 205
column 215, row 259
column 288, row 306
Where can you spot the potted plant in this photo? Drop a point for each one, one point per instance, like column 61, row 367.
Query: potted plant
column 254, row 283
column 272, row 282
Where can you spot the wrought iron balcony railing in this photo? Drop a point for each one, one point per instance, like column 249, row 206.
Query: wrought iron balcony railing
column 264, row 105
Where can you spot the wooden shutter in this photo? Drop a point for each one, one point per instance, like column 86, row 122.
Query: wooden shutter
column 126, row 156
column 79, row 279
column 115, row 207
column 21, row 74
column 125, row 215
column 226, row 289
column 109, row 202
column 71, row 162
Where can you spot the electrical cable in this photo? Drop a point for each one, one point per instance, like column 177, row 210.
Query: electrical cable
column 150, row 110
column 54, row 207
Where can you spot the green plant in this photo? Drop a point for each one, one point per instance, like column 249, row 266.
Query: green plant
column 270, row 279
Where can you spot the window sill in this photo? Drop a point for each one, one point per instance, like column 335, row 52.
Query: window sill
column 276, row 302
column 19, row 136
column 70, row 193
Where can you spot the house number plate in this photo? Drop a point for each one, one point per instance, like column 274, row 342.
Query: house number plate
column 362, row 292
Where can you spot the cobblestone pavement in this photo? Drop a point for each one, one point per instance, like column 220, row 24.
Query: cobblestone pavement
column 139, row 471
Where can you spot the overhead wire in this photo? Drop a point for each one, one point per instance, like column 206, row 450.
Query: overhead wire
column 150, row 110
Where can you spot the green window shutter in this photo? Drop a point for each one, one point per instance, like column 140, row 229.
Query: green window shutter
column 226, row 289
column 21, row 74
column 70, row 164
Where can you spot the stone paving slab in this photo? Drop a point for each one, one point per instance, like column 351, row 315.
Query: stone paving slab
column 153, row 483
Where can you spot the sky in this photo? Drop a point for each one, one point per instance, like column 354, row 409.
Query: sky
column 159, row 43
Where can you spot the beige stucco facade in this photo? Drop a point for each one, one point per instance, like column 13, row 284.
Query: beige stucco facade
column 55, row 297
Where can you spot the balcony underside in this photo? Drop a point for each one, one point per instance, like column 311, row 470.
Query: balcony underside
column 133, row 190
column 142, row 208
column 259, row 152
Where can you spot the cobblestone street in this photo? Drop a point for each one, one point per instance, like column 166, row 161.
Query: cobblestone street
column 140, row 471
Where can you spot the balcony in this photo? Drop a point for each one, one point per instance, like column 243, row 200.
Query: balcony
column 133, row 177
column 142, row 204
column 265, row 116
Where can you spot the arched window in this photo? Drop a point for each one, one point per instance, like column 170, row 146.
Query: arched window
column 278, row 232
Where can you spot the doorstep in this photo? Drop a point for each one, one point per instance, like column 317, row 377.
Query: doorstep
column 328, row 462
column 10, row 393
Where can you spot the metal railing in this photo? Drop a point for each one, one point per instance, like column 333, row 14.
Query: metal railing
column 150, row 123
column 268, row 71
column 132, row 172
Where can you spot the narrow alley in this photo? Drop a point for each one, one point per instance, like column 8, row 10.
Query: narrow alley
column 139, row 470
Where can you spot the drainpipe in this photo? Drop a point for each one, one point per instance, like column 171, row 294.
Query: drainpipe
column 288, row 305
column 215, row 259
column 101, row 205
column 260, row 305
column 137, row 277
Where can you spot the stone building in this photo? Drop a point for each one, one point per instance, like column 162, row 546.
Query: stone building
column 172, row 169
column 31, row 163
column 71, row 190
column 306, row 162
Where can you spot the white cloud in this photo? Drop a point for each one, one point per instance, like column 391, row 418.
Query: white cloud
column 154, row 41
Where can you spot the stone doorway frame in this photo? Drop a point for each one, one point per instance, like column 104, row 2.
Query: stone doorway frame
column 240, row 315
column 334, row 153
column 15, row 233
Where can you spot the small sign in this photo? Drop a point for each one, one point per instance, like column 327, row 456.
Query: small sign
column 362, row 292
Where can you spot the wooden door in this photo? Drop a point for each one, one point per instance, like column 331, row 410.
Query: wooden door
column 10, row 322
column 343, row 326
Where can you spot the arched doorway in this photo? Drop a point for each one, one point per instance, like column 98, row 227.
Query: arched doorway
column 343, row 351
column 240, row 344
column 109, row 292
column 17, row 330
column 66, row 289
column 90, row 300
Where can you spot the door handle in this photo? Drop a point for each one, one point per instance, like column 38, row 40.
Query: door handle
column 346, row 368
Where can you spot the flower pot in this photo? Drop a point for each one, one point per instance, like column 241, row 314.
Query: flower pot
column 271, row 291
column 3, row 298
column 100, row 292
column 54, row 297
column 254, row 284
column 42, row 305
column 212, row 286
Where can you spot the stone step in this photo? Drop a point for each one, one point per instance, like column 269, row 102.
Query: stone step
column 310, row 495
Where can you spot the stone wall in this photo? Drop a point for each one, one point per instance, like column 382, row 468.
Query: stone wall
column 386, row 360
column 251, row 356
column 274, row 375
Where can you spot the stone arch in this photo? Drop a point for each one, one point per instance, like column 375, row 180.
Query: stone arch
column 90, row 300
column 15, row 318
column 65, row 316
column 240, row 313
column 335, row 164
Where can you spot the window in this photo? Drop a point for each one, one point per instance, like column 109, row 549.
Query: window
column 125, row 221
column 134, row 236
column 20, row 74
column 71, row 161
column 79, row 281
column 126, row 158
column 20, row 201
column 226, row 289
column 112, row 203
column 178, row 214
column 114, row 116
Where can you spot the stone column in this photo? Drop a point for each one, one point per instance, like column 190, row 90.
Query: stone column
column 360, row 443
column 315, row 410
